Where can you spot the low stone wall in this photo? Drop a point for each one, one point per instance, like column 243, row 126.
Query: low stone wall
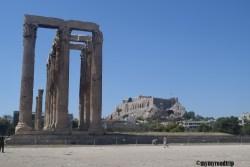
column 109, row 139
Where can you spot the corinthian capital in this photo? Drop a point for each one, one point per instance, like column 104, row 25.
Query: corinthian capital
column 97, row 37
column 29, row 30
column 63, row 34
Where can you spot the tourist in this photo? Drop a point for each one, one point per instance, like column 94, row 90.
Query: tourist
column 2, row 144
column 154, row 141
column 165, row 141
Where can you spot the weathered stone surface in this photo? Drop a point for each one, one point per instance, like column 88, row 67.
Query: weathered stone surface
column 47, row 100
column 76, row 46
column 39, row 104
column 62, row 121
column 57, row 85
column 50, row 22
column 27, row 82
column 96, row 84
column 82, row 90
column 88, row 54
column 39, row 137
column 145, row 107
column 80, row 38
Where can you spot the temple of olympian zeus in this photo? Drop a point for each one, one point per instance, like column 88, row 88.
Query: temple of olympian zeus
column 57, row 84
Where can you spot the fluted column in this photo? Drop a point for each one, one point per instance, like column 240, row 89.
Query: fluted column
column 27, row 81
column 88, row 57
column 39, row 104
column 82, row 89
column 47, row 98
column 96, row 85
column 53, row 89
column 51, row 110
column 62, row 121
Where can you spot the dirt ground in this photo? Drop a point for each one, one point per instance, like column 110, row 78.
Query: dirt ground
column 124, row 155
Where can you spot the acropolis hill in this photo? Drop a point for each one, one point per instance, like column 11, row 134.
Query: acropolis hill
column 148, row 107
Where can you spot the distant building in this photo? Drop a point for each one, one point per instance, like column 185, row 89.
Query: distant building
column 244, row 118
column 190, row 124
column 147, row 107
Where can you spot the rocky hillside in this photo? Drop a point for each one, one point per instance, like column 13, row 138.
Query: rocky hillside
column 148, row 107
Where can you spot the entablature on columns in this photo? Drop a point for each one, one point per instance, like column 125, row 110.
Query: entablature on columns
column 50, row 22
column 80, row 38
column 77, row 46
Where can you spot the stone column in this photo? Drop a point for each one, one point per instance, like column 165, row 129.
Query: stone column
column 96, row 85
column 82, row 89
column 47, row 98
column 51, row 110
column 53, row 104
column 27, row 82
column 62, row 120
column 88, row 57
column 39, row 105
column 53, row 89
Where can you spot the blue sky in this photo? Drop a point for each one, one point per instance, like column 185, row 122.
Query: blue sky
column 198, row 51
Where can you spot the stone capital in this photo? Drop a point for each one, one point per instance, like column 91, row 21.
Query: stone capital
column 29, row 30
column 63, row 34
column 97, row 37
column 40, row 92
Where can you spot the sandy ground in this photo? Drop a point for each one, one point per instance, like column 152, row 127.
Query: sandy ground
column 123, row 156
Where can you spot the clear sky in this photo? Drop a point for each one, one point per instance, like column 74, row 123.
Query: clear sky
column 198, row 51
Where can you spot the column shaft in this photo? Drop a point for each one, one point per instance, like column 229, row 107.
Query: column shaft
column 39, row 104
column 47, row 98
column 62, row 121
column 26, row 95
column 82, row 89
column 53, row 90
column 96, row 85
column 88, row 53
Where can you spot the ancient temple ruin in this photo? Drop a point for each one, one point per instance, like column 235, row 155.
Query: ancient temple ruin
column 57, row 84
column 148, row 107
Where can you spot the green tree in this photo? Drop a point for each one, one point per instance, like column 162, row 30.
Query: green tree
column 170, row 126
column 178, row 128
column 204, row 128
column 74, row 123
column 189, row 115
column 227, row 125
column 198, row 117
column 246, row 129
column 6, row 128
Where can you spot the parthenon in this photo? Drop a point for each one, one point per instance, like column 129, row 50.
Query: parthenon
column 57, row 83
